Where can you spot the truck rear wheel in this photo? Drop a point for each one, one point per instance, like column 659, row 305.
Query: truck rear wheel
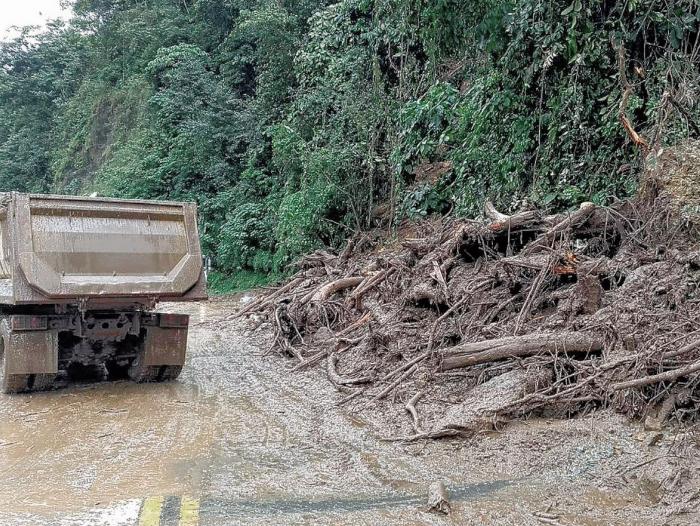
column 161, row 353
column 153, row 373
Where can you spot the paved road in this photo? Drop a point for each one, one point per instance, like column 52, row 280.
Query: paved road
column 238, row 440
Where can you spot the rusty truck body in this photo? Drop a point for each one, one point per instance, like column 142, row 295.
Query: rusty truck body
column 79, row 282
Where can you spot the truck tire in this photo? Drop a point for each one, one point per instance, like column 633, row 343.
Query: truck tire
column 169, row 372
column 164, row 345
column 41, row 382
column 19, row 383
column 143, row 373
column 153, row 373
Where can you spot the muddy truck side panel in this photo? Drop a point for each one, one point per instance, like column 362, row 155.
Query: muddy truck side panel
column 79, row 279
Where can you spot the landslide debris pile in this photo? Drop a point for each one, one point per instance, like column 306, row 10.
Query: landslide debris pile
column 468, row 323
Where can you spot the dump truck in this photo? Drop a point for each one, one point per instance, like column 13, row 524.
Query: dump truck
column 80, row 279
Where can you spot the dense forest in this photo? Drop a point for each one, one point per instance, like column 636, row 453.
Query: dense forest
column 294, row 123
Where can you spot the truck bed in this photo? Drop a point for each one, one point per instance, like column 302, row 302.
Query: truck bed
column 61, row 249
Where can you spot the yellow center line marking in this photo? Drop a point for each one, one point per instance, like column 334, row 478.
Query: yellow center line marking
column 150, row 511
column 189, row 511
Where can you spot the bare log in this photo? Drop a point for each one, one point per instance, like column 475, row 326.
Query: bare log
column 520, row 346
column 309, row 295
column 493, row 214
column 683, row 350
column 438, row 499
column 492, row 400
column 502, row 223
column 483, row 345
column 331, row 288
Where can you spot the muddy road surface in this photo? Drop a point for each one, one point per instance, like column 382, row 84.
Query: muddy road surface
column 238, row 439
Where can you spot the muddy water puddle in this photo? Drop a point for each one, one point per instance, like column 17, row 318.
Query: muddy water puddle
column 238, row 440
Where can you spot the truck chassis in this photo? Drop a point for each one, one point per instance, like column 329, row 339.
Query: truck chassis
column 35, row 346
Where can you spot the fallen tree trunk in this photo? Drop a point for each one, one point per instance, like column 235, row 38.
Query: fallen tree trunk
column 438, row 499
column 488, row 402
column 331, row 288
column 520, row 346
column 683, row 350
column 503, row 223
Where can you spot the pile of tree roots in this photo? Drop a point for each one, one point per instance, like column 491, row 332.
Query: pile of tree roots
column 463, row 324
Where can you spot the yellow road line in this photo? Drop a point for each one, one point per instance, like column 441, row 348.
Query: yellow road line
column 189, row 512
column 150, row 511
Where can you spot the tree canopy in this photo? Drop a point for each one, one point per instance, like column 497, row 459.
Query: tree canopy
column 294, row 123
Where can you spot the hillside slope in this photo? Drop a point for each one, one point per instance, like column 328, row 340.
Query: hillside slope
column 295, row 123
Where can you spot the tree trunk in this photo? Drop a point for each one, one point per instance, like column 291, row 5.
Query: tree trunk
column 520, row 346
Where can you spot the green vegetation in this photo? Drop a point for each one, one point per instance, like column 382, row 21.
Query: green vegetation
column 291, row 121
column 243, row 280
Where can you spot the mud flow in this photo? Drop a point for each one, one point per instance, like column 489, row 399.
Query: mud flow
column 239, row 440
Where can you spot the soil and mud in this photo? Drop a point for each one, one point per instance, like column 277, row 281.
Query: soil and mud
column 244, row 441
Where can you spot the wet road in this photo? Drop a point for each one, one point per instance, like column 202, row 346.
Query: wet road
column 238, row 440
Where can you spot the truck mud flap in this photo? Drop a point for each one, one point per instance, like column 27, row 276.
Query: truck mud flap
column 165, row 346
column 29, row 351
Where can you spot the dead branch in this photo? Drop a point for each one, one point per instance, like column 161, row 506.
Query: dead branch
column 264, row 301
column 337, row 379
column 367, row 284
column 683, row 350
column 406, row 365
column 504, row 223
column 571, row 221
column 627, row 90
column 395, row 384
column 343, row 345
column 661, row 377
column 411, row 409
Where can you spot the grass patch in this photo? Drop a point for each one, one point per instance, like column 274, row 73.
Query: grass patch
column 219, row 284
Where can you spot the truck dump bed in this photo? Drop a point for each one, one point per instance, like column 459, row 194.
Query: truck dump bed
column 58, row 249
